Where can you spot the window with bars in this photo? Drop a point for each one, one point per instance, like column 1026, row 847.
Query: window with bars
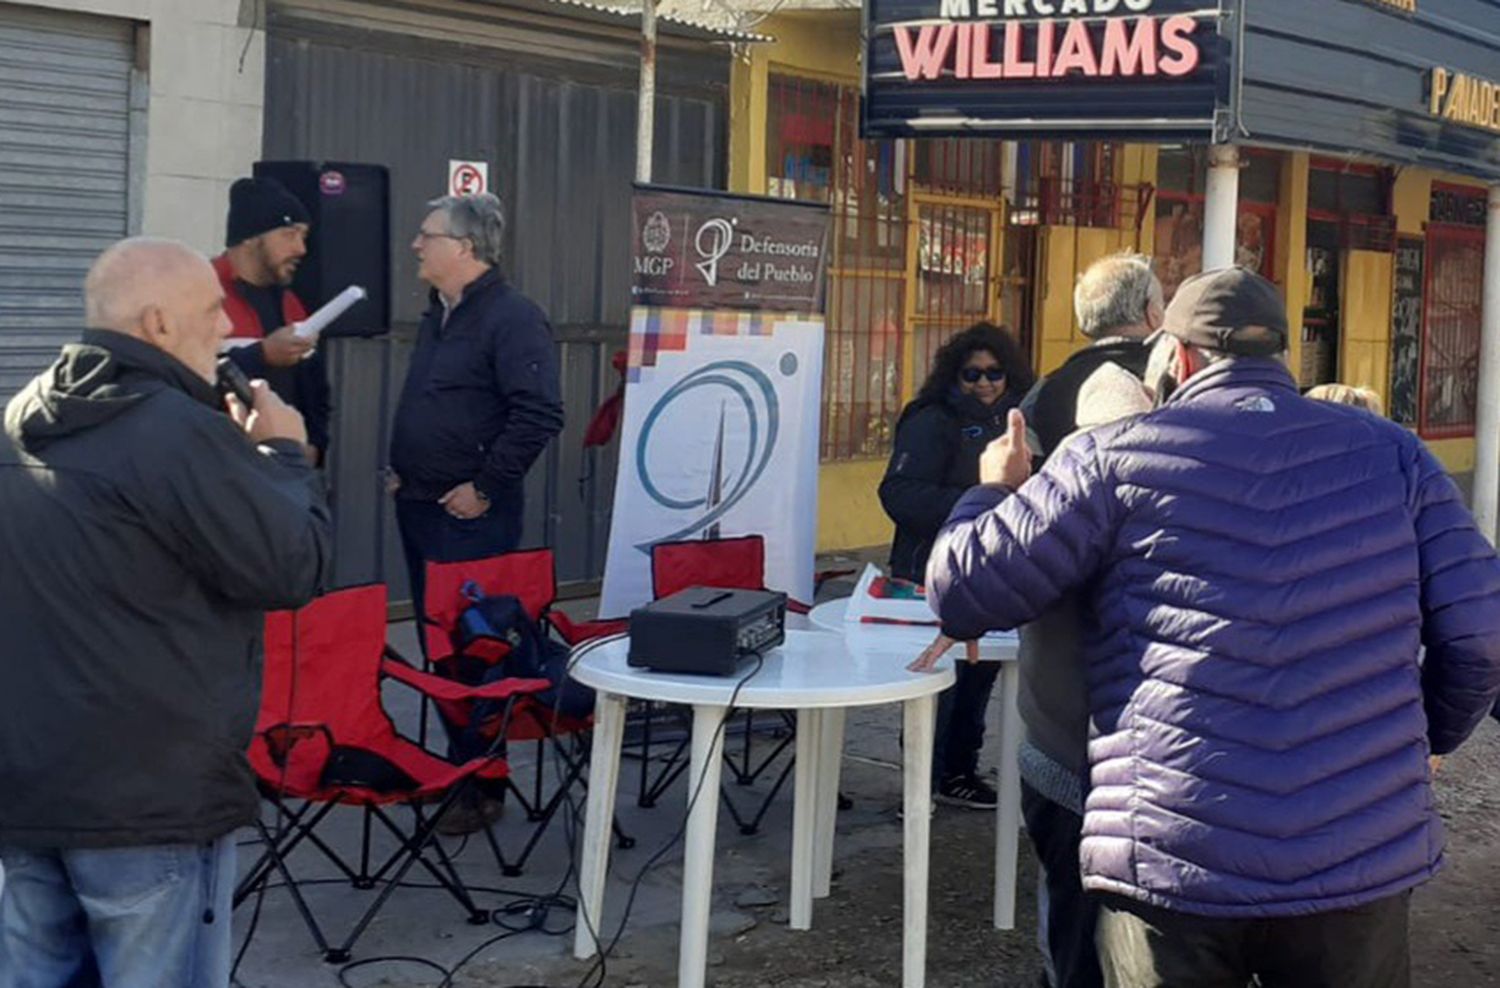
column 916, row 241
column 1451, row 331
column 814, row 153
column 1181, row 176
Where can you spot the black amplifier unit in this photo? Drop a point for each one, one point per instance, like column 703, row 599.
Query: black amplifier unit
column 706, row 631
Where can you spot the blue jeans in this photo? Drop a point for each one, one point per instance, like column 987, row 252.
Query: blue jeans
column 129, row 917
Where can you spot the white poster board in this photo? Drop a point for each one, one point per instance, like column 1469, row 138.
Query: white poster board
column 720, row 439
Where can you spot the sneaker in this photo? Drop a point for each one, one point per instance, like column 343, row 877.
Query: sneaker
column 467, row 817
column 969, row 791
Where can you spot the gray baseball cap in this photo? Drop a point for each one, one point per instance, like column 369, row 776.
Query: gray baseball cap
column 1232, row 310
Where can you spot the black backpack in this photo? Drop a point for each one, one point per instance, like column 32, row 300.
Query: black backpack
column 494, row 638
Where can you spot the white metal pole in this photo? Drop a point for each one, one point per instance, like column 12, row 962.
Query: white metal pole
column 1221, row 206
column 645, row 113
column 1487, row 422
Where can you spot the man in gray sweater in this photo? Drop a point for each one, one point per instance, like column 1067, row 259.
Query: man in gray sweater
column 1118, row 299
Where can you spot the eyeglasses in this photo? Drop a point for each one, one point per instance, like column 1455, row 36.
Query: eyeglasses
column 424, row 236
column 971, row 375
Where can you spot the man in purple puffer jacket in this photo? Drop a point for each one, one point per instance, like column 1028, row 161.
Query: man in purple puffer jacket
column 1258, row 572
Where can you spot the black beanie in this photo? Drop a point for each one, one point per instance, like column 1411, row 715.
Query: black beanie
column 259, row 205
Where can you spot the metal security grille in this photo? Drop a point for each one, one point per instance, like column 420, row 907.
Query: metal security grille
column 1450, row 343
column 560, row 137
column 815, row 154
column 65, row 85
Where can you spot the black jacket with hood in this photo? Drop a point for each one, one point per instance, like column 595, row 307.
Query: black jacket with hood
column 142, row 538
column 935, row 459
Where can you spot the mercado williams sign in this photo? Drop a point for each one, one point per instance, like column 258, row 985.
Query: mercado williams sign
column 1156, row 68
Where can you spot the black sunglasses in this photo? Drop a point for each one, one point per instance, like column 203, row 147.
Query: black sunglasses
column 971, row 375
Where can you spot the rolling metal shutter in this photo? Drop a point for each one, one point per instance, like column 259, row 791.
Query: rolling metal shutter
column 65, row 84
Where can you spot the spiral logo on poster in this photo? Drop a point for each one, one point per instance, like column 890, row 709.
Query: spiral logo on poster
column 713, row 241
column 746, row 390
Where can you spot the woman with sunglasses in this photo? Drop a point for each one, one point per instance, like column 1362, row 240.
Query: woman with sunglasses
column 977, row 377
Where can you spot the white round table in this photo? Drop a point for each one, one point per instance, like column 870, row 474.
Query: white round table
column 859, row 636
column 814, row 673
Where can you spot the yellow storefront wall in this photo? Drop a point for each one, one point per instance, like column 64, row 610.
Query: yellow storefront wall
column 825, row 45
column 820, row 45
column 849, row 512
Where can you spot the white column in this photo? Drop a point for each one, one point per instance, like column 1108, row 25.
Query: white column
column 1221, row 206
column 645, row 109
column 1487, row 424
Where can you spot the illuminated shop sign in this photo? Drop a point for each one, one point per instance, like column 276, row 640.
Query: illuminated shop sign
column 1152, row 66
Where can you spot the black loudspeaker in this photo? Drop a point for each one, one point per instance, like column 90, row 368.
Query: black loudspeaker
column 350, row 239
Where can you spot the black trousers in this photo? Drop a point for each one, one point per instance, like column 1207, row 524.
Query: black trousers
column 430, row 534
column 1071, row 914
column 1366, row 947
column 960, row 721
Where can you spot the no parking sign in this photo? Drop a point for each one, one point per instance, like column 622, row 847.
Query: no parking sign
column 468, row 178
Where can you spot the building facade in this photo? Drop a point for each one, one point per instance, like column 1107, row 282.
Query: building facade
column 1381, row 263
column 133, row 116
column 121, row 117
column 117, row 117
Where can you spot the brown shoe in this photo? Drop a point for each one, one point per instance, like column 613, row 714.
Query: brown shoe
column 468, row 816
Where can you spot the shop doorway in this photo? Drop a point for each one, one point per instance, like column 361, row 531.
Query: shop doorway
column 954, row 282
column 1349, row 209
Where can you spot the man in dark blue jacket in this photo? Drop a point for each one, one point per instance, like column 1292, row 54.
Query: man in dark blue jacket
column 481, row 402
column 482, row 398
column 1259, row 573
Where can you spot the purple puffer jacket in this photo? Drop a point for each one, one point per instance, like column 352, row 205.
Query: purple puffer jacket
column 1262, row 569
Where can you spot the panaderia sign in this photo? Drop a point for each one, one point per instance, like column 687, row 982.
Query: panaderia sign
column 1154, row 67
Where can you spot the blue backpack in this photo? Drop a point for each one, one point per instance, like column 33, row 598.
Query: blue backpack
column 495, row 638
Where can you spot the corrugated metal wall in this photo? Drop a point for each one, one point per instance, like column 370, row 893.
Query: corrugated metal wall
column 560, row 140
column 65, row 83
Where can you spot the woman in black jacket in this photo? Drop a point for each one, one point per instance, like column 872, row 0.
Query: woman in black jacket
column 977, row 378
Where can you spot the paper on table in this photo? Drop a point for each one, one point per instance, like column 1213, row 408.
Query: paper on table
column 314, row 324
column 865, row 608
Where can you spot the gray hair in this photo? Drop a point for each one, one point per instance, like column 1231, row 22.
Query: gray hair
column 479, row 219
column 1115, row 294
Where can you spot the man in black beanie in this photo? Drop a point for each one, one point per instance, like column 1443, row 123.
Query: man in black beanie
column 267, row 240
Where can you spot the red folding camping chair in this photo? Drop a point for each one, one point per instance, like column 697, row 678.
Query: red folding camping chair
column 323, row 739
column 530, row 577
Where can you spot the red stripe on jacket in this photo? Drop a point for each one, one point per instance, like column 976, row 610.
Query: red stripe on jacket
column 242, row 314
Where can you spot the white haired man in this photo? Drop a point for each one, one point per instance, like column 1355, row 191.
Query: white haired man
column 482, row 400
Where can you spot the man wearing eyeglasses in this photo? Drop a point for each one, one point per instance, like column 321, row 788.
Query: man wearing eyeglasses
column 482, row 397
column 481, row 402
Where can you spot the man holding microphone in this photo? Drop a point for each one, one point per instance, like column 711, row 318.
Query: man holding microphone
column 145, row 533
